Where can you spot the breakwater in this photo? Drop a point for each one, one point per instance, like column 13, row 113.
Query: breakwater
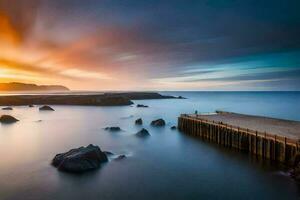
column 273, row 146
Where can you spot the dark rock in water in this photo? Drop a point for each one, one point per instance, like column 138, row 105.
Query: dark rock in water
column 139, row 121
column 113, row 128
column 141, row 106
column 181, row 97
column 158, row 122
column 143, row 133
column 46, row 108
column 7, row 108
column 120, row 157
column 108, row 153
column 80, row 160
column 173, row 128
column 30, row 106
column 7, row 119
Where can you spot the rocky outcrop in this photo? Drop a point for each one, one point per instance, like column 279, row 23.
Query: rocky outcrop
column 141, row 106
column 80, row 160
column 142, row 95
column 107, row 99
column 139, row 121
column 158, row 122
column 173, row 128
column 7, row 108
column 113, row 128
column 7, row 119
column 143, row 133
column 46, row 108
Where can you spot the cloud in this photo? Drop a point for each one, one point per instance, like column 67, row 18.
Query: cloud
column 147, row 41
column 18, row 17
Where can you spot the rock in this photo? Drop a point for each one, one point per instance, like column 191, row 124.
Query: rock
column 120, row 157
column 80, row 160
column 7, row 108
column 139, row 121
column 173, row 128
column 7, row 119
column 181, row 97
column 30, row 106
column 141, row 106
column 158, row 122
column 113, row 128
column 143, row 133
column 46, row 108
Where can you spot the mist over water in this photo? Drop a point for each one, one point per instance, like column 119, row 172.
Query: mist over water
column 167, row 165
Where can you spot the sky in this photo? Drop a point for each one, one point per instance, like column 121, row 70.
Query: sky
column 152, row 45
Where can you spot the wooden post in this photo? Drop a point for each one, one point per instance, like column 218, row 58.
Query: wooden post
column 275, row 149
column 284, row 149
column 256, row 143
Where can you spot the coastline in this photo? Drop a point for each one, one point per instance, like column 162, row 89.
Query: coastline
column 105, row 99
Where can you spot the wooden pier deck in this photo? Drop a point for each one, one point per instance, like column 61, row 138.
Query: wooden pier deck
column 269, row 138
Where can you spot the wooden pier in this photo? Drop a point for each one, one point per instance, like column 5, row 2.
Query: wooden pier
column 254, row 137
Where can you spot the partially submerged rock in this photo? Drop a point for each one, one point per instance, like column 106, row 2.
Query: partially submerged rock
column 7, row 108
column 173, row 128
column 158, row 122
column 139, row 121
column 80, row 160
column 143, row 133
column 113, row 128
column 46, row 108
column 120, row 157
column 141, row 106
column 7, row 119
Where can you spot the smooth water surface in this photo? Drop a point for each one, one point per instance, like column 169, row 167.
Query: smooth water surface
column 167, row 165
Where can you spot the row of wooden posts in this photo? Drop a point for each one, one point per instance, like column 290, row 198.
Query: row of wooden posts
column 272, row 147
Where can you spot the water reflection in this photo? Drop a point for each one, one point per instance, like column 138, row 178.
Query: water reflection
column 167, row 165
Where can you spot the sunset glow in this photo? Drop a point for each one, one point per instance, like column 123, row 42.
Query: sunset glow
column 84, row 47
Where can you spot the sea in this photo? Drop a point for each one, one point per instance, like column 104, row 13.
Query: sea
column 167, row 165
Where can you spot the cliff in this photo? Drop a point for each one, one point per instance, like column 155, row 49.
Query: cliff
column 14, row 86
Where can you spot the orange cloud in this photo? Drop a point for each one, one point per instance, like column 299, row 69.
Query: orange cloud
column 8, row 34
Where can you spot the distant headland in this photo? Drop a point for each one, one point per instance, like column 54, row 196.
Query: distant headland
column 16, row 86
column 103, row 99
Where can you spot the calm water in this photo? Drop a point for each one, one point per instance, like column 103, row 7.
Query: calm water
column 168, row 165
